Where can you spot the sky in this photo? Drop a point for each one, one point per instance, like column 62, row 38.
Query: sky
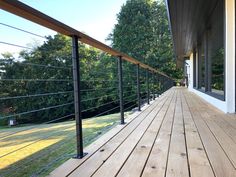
column 96, row 18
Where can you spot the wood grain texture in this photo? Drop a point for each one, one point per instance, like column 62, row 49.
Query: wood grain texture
column 72, row 164
column 135, row 163
column 177, row 160
column 156, row 164
column 197, row 158
column 178, row 135
column 219, row 160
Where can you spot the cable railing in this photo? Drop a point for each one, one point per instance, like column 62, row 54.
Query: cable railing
column 41, row 89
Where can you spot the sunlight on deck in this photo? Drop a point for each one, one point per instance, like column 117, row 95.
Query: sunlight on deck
column 178, row 135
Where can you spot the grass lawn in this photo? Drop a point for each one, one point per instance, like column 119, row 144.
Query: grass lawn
column 38, row 149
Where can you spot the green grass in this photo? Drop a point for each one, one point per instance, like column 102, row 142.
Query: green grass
column 38, row 149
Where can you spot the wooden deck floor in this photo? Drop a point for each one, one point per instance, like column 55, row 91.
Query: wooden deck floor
column 177, row 135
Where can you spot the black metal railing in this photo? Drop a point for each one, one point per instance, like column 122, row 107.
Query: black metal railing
column 123, row 85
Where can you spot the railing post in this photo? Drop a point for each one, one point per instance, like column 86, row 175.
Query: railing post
column 158, row 83
column 169, row 84
column 148, row 90
column 120, row 73
column 154, row 83
column 161, row 83
column 77, row 103
column 164, row 83
column 138, row 88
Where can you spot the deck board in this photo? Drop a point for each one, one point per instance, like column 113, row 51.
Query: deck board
column 224, row 140
column 155, row 167
column 136, row 161
column 220, row 162
column 225, row 126
column 120, row 155
column 177, row 151
column 100, row 157
column 179, row 135
column 198, row 162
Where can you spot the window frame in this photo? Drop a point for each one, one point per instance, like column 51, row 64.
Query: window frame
column 197, row 63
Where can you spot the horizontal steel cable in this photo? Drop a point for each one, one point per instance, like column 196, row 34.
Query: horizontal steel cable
column 38, row 80
column 36, row 95
column 90, row 99
column 38, row 65
column 33, row 126
column 22, row 30
column 96, row 89
column 100, row 105
column 15, row 45
column 130, row 107
column 100, row 114
column 37, row 110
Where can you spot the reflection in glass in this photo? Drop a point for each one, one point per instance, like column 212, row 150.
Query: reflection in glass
column 202, row 67
column 216, row 49
column 217, row 84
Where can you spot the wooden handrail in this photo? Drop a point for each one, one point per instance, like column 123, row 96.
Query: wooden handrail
column 20, row 9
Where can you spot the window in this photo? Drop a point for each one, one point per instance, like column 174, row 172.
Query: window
column 194, row 68
column 210, row 76
column 216, row 49
column 202, row 67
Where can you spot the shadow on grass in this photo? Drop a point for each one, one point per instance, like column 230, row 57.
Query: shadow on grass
column 43, row 161
column 33, row 134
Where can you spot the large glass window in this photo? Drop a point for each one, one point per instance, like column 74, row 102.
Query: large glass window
column 202, row 67
column 194, row 68
column 216, row 49
column 211, row 54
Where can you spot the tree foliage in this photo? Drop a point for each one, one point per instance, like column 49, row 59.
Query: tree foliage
column 48, row 69
column 143, row 32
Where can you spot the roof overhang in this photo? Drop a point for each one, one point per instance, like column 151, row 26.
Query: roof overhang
column 188, row 20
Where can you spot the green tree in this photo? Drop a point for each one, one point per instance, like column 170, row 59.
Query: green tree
column 133, row 32
column 32, row 74
column 48, row 69
column 143, row 32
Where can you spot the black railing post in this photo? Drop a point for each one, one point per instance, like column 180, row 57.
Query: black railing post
column 148, row 90
column 120, row 73
column 153, row 83
column 161, row 83
column 158, row 84
column 138, row 88
column 164, row 84
column 168, row 83
column 77, row 103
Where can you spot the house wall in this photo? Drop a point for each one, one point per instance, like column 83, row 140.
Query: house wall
column 230, row 54
column 214, row 101
column 228, row 105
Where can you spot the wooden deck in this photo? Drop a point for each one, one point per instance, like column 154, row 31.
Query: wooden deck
column 177, row 135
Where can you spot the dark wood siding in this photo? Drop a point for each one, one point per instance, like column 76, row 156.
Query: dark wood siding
column 188, row 21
